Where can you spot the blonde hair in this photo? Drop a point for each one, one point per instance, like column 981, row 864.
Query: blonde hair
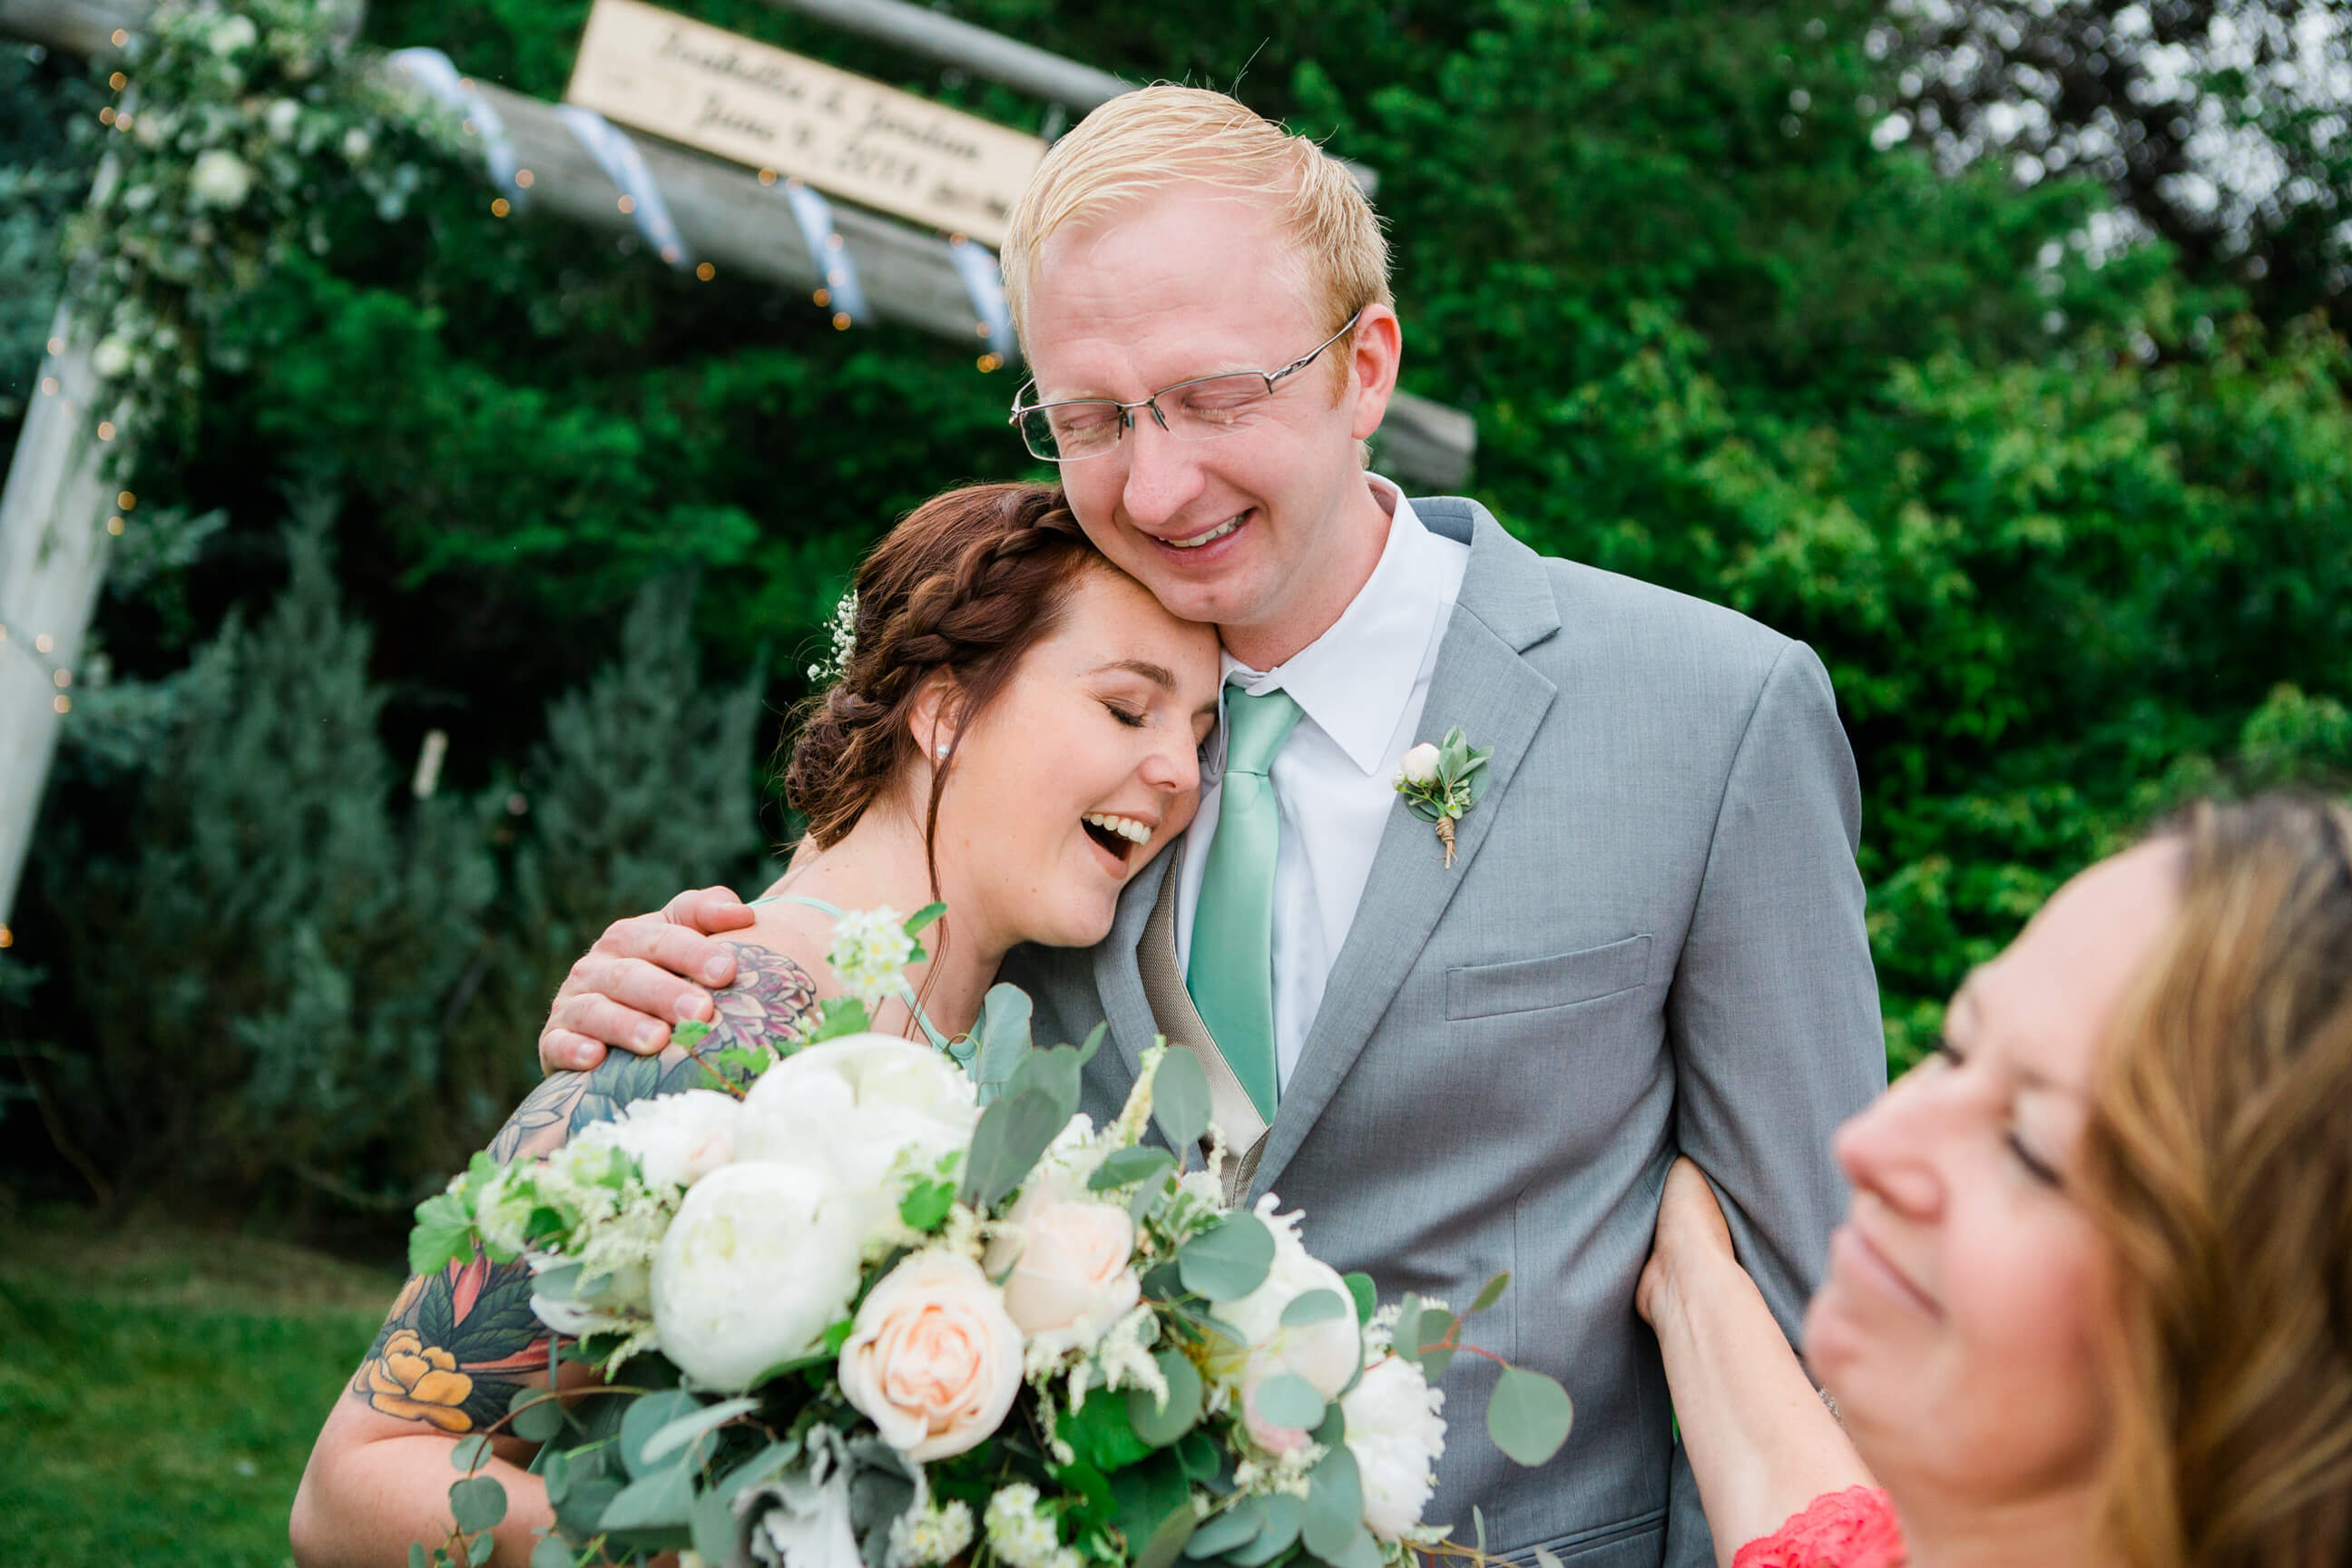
column 2218, row 1162
column 1155, row 139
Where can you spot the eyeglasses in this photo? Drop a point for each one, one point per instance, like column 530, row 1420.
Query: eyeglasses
column 1201, row 409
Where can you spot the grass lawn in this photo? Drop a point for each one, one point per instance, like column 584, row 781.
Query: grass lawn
column 159, row 1390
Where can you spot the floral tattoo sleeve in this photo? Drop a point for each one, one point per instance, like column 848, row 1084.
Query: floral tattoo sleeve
column 459, row 1344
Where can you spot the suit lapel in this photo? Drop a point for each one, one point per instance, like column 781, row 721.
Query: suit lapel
column 1119, row 978
column 1230, row 1106
column 1498, row 699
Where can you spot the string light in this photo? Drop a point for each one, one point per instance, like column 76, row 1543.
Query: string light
column 991, row 362
column 63, row 678
column 981, row 328
column 499, row 208
column 44, row 643
column 767, row 177
column 48, row 386
column 627, row 204
column 105, row 430
column 841, row 320
column 522, row 178
column 125, row 500
column 119, row 38
column 118, row 81
column 8, row 937
column 57, row 345
column 705, row 271
column 823, row 297
column 114, row 526
column 62, row 703
column 106, row 115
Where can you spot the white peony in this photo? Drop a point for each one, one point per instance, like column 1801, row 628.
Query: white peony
column 870, row 1109
column 678, row 1139
column 1067, row 1264
column 1326, row 1353
column 220, row 179
column 933, row 1360
column 761, row 1258
column 1396, row 1435
column 281, row 118
column 1420, row 764
column 110, row 358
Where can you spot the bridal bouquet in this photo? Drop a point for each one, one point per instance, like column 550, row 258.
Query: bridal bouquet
column 876, row 1311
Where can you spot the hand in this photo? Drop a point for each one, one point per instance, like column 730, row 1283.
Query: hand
column 1691, row 1232
column 644, row 974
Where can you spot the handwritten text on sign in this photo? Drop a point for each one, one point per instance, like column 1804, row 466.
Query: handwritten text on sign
column 854, row 138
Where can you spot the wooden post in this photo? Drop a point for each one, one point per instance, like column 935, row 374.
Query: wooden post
column 53, row 540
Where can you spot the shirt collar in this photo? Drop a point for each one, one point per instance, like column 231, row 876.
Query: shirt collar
column 1355, row 679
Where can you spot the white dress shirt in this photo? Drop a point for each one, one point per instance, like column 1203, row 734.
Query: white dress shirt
column 1361, row 688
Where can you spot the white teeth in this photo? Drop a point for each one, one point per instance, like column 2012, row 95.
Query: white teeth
column 1127, row 827
column 1211, row 537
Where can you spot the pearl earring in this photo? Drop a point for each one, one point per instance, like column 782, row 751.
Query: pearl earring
column 945, row 747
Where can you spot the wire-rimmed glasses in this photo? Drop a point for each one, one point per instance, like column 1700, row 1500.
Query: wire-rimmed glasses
column 1201, row 409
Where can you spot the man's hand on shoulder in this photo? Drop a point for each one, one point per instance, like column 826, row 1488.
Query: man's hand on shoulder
column 644, row 974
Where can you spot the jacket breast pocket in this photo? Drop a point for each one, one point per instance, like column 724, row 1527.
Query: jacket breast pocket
column 1529, row 985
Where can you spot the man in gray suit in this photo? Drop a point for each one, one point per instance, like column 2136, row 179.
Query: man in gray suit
column 1646, row 938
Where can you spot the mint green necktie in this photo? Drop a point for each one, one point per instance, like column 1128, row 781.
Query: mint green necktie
column 1231, row 975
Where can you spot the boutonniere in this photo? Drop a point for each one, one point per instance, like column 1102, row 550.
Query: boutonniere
column 1441, row 782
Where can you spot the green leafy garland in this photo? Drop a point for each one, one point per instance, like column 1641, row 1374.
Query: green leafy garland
column 238, row 127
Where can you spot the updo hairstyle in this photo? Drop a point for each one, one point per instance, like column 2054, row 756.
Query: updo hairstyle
column 2219, row 1161
column 968, row 583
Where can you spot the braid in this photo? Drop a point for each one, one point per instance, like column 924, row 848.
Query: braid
column 962, row 587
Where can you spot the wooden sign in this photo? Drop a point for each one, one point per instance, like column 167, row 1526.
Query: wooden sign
column 856, row 139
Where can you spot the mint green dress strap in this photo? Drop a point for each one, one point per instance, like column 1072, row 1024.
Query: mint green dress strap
column 960, row 1051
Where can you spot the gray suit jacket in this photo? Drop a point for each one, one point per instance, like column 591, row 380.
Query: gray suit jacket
column 1651, row 941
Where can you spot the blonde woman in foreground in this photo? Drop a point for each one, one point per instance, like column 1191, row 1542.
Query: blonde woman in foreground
column 2093, row 1301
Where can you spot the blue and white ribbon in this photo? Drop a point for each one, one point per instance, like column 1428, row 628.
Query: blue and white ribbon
column 618, row 156
column 833, row 262
column 977, row 266
column 438, row 74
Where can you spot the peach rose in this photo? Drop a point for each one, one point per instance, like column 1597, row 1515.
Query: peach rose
column 932, row 1360
column 1071, row 1267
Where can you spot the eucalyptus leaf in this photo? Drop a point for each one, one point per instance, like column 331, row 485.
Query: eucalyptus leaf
column 1229, row 1259
column 1005, row 1147
column 1335, row 1505
column 1220, row 1532
column 1490, row 1293
column 677, row 1434
column 843, row 1016
column 471, row 1453
column 478, row 1550
column 922, row 918
column 1363, row 1551
column 717, row 1535
column 1160, row 1424
column 416, row 1558
column 1093, row 1042
column 478, row 1503
column 1180, row 1098
column 1529, row 1416
column 1288, row 1399
column 1284, row 1514
column 1314, row 1306
column 1168, row 1541
column 646, row 1415
column 663, row 1499
column 551, row 1553
column 1478, row 1527
column 1003, row 1035
column 1405, row 1340
column 1546, row 1559
column 1125, row 1167
column 538, row 1414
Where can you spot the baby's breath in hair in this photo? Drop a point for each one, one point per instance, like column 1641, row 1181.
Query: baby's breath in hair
column 828, row 671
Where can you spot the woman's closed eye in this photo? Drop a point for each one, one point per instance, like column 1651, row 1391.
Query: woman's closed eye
column 1126, row 716
column 2038, row 1168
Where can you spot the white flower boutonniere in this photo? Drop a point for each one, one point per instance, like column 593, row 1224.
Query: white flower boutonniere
column 1441, row 782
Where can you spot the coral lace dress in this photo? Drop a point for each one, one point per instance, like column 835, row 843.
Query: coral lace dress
column 1851, row 1529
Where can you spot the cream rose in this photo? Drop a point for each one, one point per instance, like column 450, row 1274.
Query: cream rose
column 1326, row 1353
column 1071, row 1267
column 933, row 1359
column 1420, row 764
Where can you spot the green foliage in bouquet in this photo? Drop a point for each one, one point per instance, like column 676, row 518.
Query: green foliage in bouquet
column 1143, row 1375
